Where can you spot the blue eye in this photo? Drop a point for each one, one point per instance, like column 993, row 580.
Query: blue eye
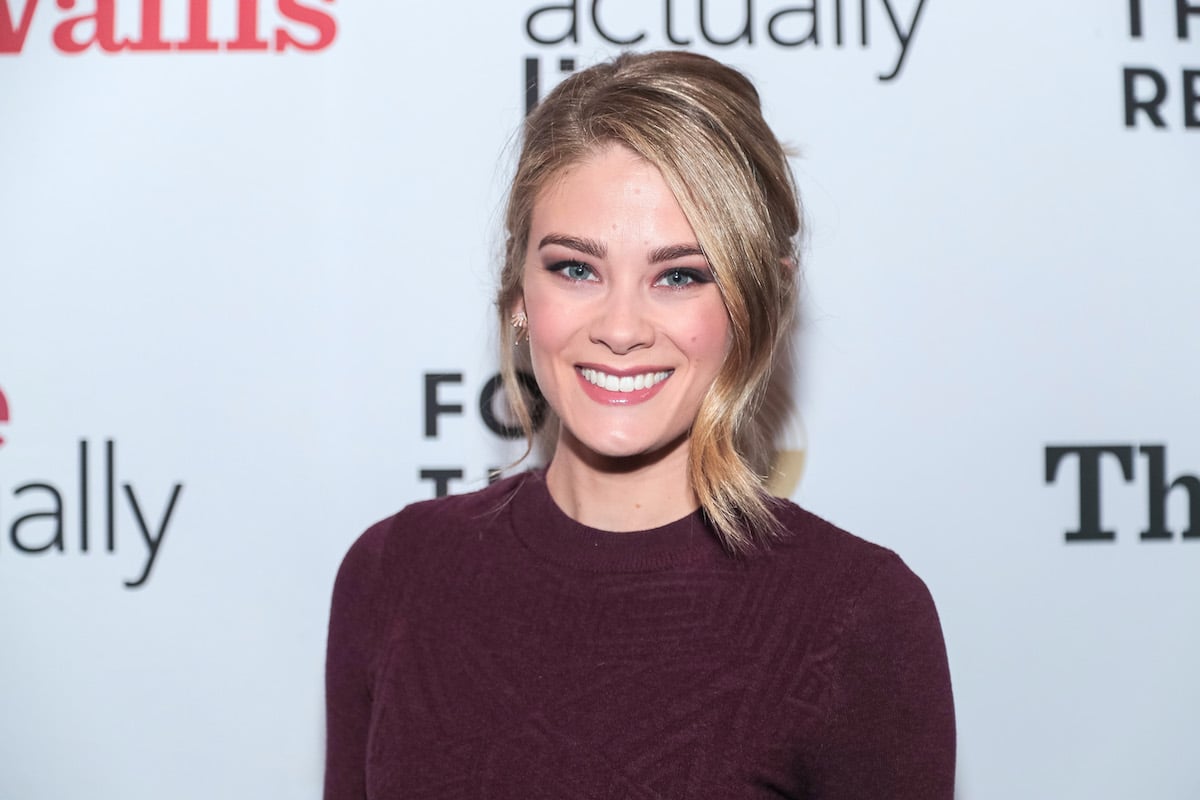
column 573, row 270
column 679, row 278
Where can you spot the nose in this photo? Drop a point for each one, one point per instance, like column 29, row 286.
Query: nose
column 621, row 322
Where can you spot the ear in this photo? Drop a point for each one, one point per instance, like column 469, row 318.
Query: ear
column 518, row 321
column 517, row 317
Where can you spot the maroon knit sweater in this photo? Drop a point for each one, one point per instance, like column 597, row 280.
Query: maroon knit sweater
column 488, row 646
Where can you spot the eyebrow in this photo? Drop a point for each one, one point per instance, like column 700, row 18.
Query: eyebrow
column 589, row 246
column 674, row 251
column 597, row 250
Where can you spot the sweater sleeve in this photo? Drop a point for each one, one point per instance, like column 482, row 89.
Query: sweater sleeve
column 353, row 618
column 892, row 728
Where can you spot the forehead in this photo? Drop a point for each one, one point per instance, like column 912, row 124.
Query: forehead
column 612, row 192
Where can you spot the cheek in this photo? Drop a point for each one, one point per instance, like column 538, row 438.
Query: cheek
column 551, row 328
column 548, row 325
column 709, row 338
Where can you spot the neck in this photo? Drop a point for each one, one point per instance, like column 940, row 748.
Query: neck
column 633, row 493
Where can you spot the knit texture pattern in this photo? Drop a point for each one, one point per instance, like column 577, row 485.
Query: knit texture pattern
column 488, row 646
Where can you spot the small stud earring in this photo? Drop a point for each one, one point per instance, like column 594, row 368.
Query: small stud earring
column 521, row 323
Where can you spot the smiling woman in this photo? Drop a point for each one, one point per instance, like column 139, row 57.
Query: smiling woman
column 622, row 310
column 712, row 168
column 639, row 618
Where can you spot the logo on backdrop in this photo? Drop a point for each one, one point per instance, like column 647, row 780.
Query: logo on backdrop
column 3, row 415
column 1161, row 96
column 35, row 512
column 889, row 25
column 94, row 26
column 1150, row 467
column 443, row 400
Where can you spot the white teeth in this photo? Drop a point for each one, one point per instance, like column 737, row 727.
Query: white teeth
column 612, row 383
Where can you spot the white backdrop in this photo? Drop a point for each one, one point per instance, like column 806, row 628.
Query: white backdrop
column 239, row 265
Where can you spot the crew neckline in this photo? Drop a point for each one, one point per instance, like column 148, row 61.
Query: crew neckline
column 543, row 527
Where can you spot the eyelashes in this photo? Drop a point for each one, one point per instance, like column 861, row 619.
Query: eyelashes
column 573, row 270
column 681, row 277
column 675, row 278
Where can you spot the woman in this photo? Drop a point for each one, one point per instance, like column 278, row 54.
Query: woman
column 638, row 619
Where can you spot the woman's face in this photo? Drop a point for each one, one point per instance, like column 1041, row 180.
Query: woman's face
column 627, row 329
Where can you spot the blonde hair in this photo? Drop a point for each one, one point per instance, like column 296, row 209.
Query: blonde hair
column 700, row 123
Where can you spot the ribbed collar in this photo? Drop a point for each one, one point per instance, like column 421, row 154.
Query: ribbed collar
column 544, row 528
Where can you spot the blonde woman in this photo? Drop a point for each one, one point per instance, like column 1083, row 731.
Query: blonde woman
column 638, row 619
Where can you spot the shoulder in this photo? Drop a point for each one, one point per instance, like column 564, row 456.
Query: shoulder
column 890, row 700
column 401, row 553
column 890, row 697
column 430, row 524
column 864, row 587
column 455, row 513
column 822, row 546
column 883, row 610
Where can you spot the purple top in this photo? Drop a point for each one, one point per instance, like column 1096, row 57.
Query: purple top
column 488, row 646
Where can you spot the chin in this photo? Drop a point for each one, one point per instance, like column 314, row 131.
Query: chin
column 621, row 445
column 610, row 447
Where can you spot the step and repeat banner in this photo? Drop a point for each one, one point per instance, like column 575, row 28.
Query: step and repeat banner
column 247, row 253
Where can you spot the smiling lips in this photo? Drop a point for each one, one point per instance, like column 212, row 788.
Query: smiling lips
column 625, row 389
